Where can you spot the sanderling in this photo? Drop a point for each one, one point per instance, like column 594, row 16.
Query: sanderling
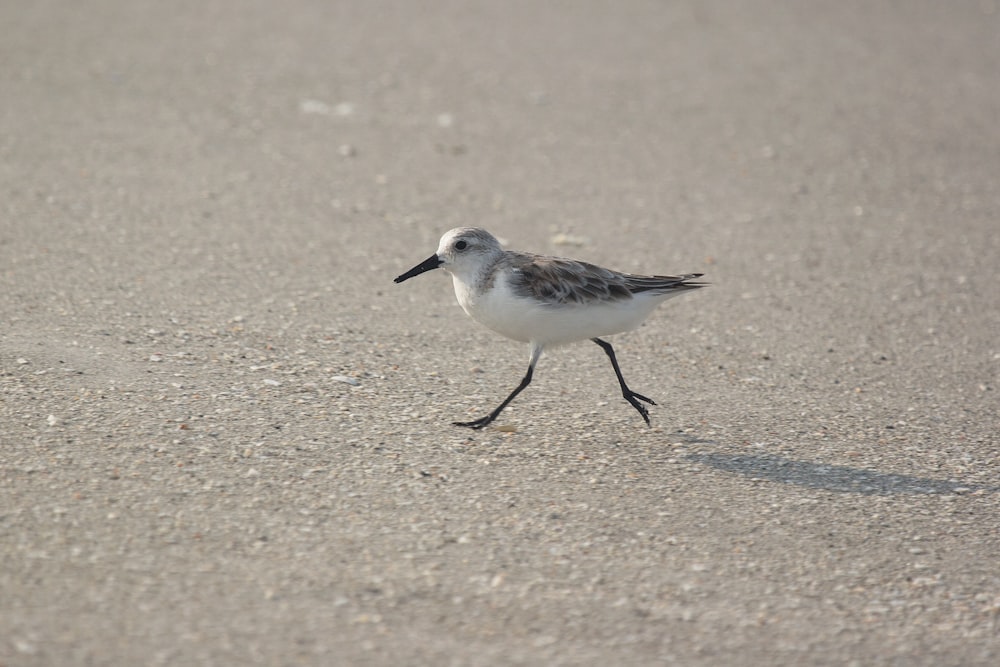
column 547, row 301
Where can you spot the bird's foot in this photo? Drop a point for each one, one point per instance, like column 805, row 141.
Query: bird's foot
column 476, row 423
column 640, row 397
column 632, row 397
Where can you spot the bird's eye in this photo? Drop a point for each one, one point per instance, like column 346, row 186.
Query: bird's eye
column 461, row 245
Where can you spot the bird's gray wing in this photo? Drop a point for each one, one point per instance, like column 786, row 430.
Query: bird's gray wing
column 558, row 281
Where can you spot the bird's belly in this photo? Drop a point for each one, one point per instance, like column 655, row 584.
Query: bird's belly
column 527, row 320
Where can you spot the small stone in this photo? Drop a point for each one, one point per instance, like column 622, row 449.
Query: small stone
column 346, row 379
column 272, row 383
column 22, row 361
column 52, row 420
column 570, row 240
column 25, row 647
column 315, row 107
column 155, row 357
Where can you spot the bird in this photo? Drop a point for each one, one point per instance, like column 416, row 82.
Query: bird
column 547, row 301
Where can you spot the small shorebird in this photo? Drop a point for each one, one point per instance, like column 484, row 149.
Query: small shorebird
column 546, row 301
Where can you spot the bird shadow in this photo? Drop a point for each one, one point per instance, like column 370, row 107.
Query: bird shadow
column 836, row 478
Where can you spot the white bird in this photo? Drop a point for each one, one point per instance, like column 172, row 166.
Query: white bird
column 546, row 301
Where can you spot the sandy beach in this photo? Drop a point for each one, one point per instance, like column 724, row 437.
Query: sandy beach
column 227, row 434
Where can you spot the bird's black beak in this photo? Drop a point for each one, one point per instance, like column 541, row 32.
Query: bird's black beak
column 428, row 264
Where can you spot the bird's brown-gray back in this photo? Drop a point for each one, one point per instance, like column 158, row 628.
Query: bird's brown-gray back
column 561, row 281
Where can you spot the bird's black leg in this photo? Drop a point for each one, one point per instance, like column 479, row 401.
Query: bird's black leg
column 629, row 395
column 536, row 351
